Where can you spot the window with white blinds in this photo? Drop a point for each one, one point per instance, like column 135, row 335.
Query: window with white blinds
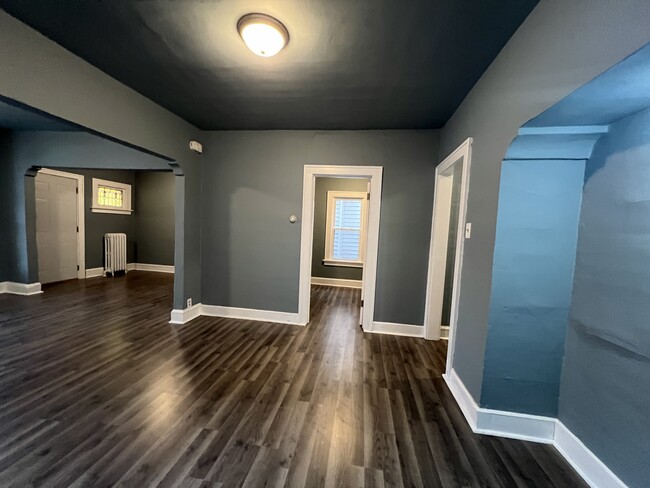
column 345, row 235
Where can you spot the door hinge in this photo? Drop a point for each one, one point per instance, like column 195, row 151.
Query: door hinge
column 362, row 303
column 77, row 228
column 76, row 191
column 368, row 196
column 77, row 267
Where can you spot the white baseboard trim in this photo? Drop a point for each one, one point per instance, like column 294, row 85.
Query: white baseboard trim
column 397, row 329
column 250, row 314
column 179, row 317
column 536, row 429
column 158, row 268
column 317, row 280
column 444, row 332
column 20, row 288
column 94, row 272
column 585, row 462
column 184, row 316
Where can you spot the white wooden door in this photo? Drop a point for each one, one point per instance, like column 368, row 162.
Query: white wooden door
column 56, row 227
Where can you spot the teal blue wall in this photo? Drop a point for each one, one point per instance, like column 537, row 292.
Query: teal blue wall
column 532, row 276
column 558, row 48
column 605, row 389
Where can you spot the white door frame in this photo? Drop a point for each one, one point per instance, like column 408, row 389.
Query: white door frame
column 437, row 253
column 81, row 217
column 374, row 175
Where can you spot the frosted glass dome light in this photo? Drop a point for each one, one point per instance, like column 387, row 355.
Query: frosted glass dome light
column 263, row 35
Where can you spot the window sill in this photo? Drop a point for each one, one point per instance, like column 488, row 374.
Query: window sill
column 346, row 264
column 111, row 211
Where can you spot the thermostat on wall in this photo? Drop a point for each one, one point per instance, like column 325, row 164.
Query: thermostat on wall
column 196, row 147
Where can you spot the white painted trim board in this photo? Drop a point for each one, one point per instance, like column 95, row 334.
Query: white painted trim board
column 184, row 316
column 317, row 280
column 533, row 428
column 20, row 288
column 157, row 268
column 392, row 328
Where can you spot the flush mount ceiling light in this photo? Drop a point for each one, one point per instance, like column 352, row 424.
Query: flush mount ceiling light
column 263, row 34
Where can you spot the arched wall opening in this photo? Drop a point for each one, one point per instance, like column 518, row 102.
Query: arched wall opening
column 66, row 145
column 568, row 330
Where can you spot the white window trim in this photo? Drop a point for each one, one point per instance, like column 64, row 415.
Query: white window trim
column 126, row 201
column 332, row 196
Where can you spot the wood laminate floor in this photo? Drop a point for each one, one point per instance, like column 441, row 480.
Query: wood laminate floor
column 97, row 389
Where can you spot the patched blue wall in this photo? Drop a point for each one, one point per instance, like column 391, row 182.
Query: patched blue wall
column 532, row 276
column 605, row 389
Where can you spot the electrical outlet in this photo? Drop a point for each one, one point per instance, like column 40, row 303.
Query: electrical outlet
column 189, row 302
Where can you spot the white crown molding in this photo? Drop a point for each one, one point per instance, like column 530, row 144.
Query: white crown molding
column 20, row 288
column 533, row 428
column 317, row 280
column 392, row 328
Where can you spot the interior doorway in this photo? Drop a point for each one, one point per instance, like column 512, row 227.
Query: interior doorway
column 340, row 232
column 448, row 233
column 59, row 225
column 353, row 236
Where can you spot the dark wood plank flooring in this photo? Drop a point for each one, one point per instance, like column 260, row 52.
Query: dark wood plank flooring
column 97, row 389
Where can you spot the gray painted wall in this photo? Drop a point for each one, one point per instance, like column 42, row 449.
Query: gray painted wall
column 532, row 278
column 604, row 395
column 56, row 150
column 40, row 73
column 559, row 47
column 149, row 229
column 98, row 224
column 154, row 214
column 252, row 182
column 323, row 185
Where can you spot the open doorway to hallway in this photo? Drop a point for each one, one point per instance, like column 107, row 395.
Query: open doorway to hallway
column 347, row 243
column 340, row 233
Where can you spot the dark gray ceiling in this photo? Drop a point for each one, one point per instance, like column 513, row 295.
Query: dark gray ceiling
column 350, row 64
column 19, row 118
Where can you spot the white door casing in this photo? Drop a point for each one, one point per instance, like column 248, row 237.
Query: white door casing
column 374, row 175
column 439, row 246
